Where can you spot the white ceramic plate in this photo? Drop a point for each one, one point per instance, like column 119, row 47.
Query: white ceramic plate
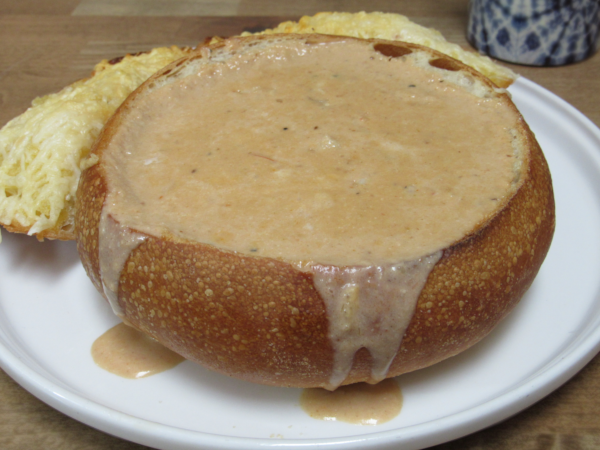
column 50, row 315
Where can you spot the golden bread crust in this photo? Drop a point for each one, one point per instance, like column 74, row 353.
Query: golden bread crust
column 58, row 233
column 263, row 320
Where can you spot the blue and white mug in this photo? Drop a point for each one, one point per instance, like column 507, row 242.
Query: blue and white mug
column 535, row 32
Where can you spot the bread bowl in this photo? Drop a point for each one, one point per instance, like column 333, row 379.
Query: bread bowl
column 267, row 313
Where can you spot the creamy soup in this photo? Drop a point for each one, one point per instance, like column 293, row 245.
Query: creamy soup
column 360, row 403
column 129, row 353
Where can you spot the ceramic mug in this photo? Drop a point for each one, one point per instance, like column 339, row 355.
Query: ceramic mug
column 535, row 32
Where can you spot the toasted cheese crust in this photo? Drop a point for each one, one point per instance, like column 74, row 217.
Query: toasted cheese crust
column 264, row 319
column 44, row 150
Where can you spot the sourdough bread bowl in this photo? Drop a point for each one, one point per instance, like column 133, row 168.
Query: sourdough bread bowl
column 378, row 294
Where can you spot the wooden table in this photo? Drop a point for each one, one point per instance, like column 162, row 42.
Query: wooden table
column 47, row 45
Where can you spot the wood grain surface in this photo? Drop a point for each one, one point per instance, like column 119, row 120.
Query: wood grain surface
column 47, row 45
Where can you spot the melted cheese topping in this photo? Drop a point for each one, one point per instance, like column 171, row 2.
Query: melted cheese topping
column 44, row 150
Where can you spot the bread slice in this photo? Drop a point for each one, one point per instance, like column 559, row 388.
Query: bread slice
column 272, row 319
column 43, row 151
